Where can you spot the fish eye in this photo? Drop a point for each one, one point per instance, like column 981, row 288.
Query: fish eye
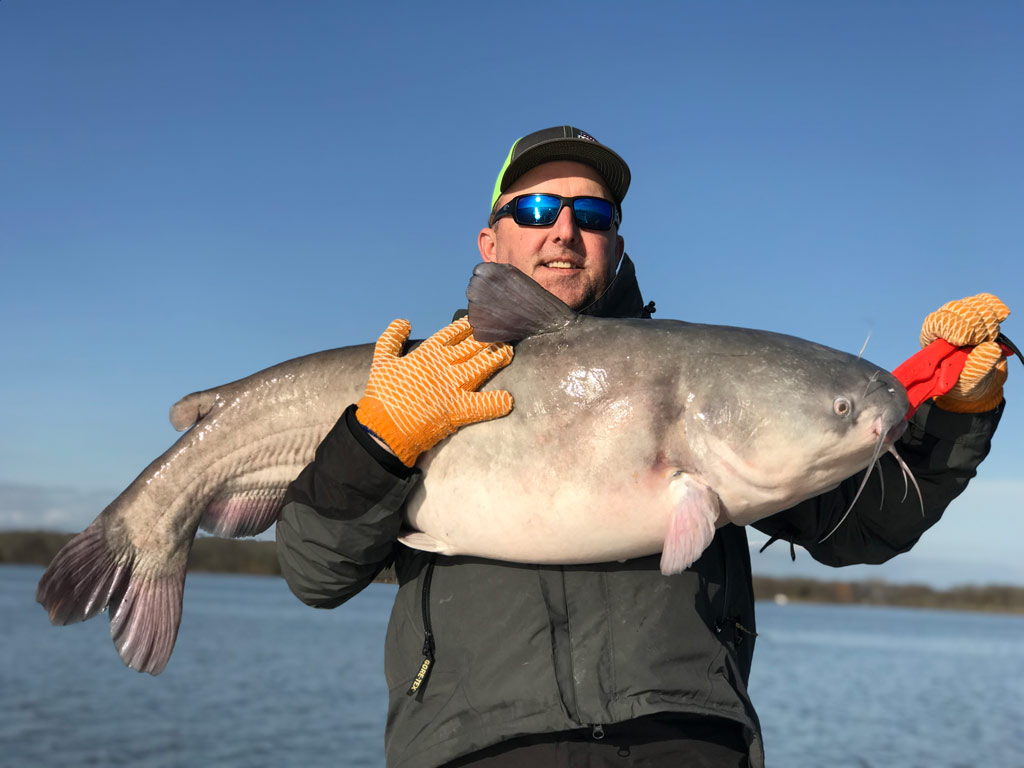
column 842, row 407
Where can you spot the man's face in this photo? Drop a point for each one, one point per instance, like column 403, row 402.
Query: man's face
column 574, row 264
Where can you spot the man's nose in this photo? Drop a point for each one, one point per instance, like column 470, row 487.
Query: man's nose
column 565, row 227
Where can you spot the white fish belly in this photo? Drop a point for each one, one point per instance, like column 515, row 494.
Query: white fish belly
column 506, row 491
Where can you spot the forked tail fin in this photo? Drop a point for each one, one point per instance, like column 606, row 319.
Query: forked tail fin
column 89, row 575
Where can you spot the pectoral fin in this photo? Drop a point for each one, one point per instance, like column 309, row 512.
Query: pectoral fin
column 691, row 525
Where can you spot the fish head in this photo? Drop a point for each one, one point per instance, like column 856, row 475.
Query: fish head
column 786, row 419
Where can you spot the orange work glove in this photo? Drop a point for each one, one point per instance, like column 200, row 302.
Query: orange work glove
column 973, row 321
column 414, row 401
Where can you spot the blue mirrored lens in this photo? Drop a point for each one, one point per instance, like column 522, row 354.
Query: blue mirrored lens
column 538, row 209
column 592, row 212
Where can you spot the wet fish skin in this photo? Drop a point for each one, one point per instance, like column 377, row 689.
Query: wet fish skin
column 612, row 495
column 628, row 437
column 246, row 441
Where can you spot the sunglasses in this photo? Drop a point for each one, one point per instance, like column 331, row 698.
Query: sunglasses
column 541, row 210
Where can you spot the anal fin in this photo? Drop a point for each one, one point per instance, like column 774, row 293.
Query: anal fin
column 248, row 503
column 242, row 513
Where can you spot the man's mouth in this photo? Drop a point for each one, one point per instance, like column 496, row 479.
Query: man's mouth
column 561, row 265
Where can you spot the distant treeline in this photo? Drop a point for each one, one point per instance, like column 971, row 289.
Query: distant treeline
column 1004, row 599
column 260, row 557
column 208, row 553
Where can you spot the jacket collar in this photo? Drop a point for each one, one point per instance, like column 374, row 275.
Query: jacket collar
column 622, row 297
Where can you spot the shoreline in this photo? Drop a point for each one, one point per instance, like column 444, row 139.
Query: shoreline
column 214, row 555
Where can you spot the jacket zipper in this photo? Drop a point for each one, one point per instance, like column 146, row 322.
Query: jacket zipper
column 720, row 624
column 726, row 620
column 419, row 683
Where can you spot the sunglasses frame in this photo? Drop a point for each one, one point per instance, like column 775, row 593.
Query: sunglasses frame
column 511, row 208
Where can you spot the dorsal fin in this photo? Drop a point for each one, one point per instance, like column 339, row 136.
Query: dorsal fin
column 506, row 305
column 191, row 408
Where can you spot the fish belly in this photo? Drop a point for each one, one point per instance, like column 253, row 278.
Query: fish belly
column 541, row 490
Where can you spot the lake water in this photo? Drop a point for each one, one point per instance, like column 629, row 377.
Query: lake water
column 258, row 679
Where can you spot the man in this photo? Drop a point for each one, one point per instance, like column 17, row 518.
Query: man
column 498, row 664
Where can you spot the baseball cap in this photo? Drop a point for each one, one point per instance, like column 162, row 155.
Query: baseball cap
column 563, row 142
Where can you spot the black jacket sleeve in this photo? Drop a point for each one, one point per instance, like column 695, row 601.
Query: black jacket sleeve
column 942, row 449
column 341, row 516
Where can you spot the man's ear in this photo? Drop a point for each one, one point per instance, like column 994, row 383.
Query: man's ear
column 487, row 242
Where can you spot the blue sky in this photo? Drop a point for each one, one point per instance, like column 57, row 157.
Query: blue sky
column 190, row 192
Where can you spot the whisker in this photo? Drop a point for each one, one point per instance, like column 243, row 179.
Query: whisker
column 865, row 346
column 907, row 473
column 881, row 482
column 871, row 466
column 872, row 380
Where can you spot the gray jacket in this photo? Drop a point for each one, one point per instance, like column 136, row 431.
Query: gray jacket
column 526, row 649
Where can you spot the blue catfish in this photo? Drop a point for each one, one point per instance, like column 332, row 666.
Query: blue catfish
column 628, row 438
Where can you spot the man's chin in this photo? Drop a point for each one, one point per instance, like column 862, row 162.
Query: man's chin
column 571, row 287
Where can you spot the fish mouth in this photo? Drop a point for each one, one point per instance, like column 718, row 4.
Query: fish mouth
column 887, row 436
column 885, row 443
column 895, row 433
